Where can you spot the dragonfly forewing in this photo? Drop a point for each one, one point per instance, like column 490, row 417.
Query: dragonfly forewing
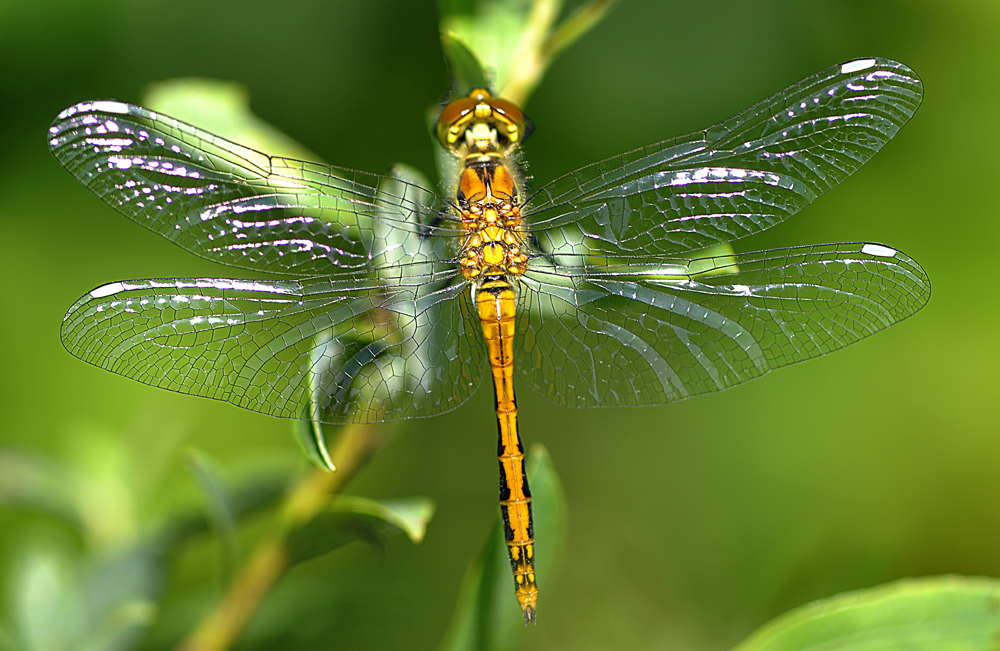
column 732, row 180
column 227, row 202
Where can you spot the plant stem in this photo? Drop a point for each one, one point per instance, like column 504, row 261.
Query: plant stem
column 578, row 24
column 530, row 64
column 541, row 44
column 220, row 628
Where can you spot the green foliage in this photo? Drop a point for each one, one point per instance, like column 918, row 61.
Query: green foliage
column 96, row 587
column 492, row 32
column 752, row 502
column 507, row 45
column 943, row 613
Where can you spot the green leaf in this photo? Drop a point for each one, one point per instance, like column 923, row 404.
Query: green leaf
column 950, row 613
column 488, row 617
column 491, row 30
column 466, row 70
column 702, row 261
column 219, row 509
column 409, row 515
column 352, row 518
column 309, row 434
column 121, row 593
column 245, row 500
column 50, row 609
column 512, row 41
column 66, row 601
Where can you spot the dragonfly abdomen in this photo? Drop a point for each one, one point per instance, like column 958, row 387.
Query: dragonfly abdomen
column 496, row 303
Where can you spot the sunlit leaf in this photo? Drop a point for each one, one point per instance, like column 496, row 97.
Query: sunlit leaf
column 514, row 41
column 943, row 613
column 706, row 261
column 410, row 515
column 491, row 29
column 488, row 617
column 50, row 610
column 64, row 601
column 222, row 107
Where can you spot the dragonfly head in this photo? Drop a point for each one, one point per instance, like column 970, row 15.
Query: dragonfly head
column 481, row 123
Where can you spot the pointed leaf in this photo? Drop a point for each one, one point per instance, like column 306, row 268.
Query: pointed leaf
column 410, row 515
column 352, row 518
column 309, row 434
column 497, row 32
column 948, row 613
column 464, row 66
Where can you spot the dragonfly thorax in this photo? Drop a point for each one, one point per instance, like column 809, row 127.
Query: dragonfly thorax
column 493, row 243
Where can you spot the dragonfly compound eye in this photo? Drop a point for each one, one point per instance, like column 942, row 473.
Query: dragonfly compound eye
column 480, row 113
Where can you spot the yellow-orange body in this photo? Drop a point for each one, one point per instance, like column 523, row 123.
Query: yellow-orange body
column 482, row 131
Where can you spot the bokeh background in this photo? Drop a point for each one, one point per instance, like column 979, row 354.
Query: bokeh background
column 689, row 524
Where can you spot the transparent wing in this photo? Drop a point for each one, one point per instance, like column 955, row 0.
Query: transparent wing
column 355, row 349
column 735, row 179
column 647, row 332
column 229, row 203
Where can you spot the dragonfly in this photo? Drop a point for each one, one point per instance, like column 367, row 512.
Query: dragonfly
column 390, row 300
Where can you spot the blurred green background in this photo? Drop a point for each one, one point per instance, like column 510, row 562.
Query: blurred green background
column 690, row 524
